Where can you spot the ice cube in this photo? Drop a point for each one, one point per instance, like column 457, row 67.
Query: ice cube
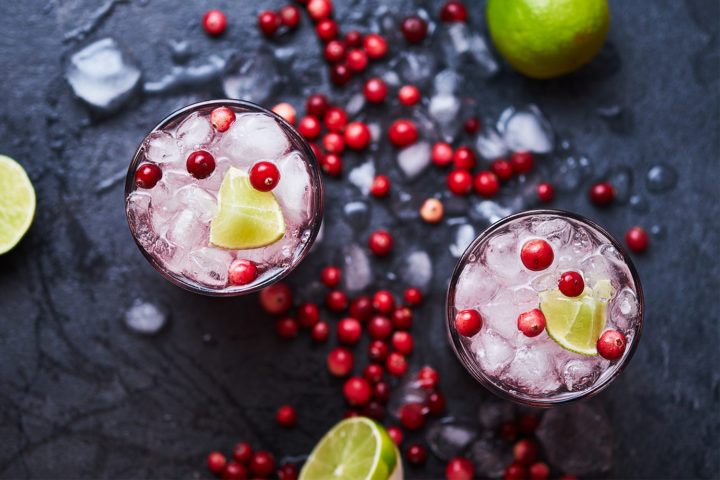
column 209, row 266
column 414, row 159
column 391, row 78
column 545, row 281
column 416, row 269
column 489, row 211
column 103, row 76
column 493, row 352
column 446, row 81
column 253, row 137
column 533, row 371
column 621, row 179
column 577, row 438
column 490, row 456
column 187, row 230
column 569, row 172
column 162, row 148
column 661, row 178
column 407, row 391
column 464, row 235
column 251, row 78
column 145, row 318
column 357, row 214
column 293, row 189
column 624, row 309
column 549, row 227
column 357, row 273
column 489, row 144
column 416, row 68
column 475, row 287
column 355, row 104
column 195, row 132
column 501, row 255
column 197, row 200
column 362, row 176
column 500, row 315
column 454, row 42
column 527, row 129
column 481, row 53
column 445, row 109
column 450, row 439
column 582, row 242
column 139, row 218
column 579, row 374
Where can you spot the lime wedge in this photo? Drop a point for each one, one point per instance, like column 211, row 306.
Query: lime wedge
column 575, row 323
column 247, row 218
column 357, row 448
column 17, row 203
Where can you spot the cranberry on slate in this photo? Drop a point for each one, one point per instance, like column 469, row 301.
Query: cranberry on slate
column 374, row 410
column 147, row 175
column 453, row 11
column 308, row 314
column 290, row 16
column 357, row 60
column 402, row 133
column 383, row 302
column 413, row 296
column 242, row 272
column 409, row 95
column 286, row 111
column 531, row 323
column 334, row 51
column 515, row 471
column 468, row 322
column 373, row 372
column 332, row 164
column 215, row 462
column 441, row 154
column 502, row 169
column 472, row 125
column 412, row 415
column 331, row 276
column 264, row 176
column 276, row 299
column 214, row 22
column 242, row 452
column 375, row 45
column 464, row 158
column 381, row 392
column 378, row 351
column 335, row 119
column 402, row 342
column 375, row 90
column 415, row 454
column 459, row 468
column 636, row 239
column 396, row 364
column 336, row 301
column 522, row 162
column 380, row 186
column 349, row 331
column 602, row 193
column 357, row 391
column 320, row 331
column 221, row 118
column 262, row 464
column 525, row 451
column 379, row 327
column 340, row 74
column 539, row 471
column 326, row 30
column 508, row 431
column 428, row 378
column 611, row 344
column 333, row 142
column 340, row 361
column 436, row 403
column 536, row 255
column 353, row 38
column 286, row 416
column 286, row 327
column 316, row 105
column 234, row 471
column 268, row 22
column 361, row 308
column 357, row 135
column 309, row 127
column 571, row 284
column 396, row 434
column 402, row 318
column 287, row 471
column 319, row 9
column 414, row 29
column 460, row 182
column 380, row 242
column 486, row 184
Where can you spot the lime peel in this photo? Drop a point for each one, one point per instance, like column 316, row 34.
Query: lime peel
column 17, row 203
column 574, row 323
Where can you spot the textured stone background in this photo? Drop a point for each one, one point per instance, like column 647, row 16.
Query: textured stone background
column 82, row 396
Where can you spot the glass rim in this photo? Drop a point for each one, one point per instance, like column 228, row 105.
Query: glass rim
column 474, row 369
column 316, row 181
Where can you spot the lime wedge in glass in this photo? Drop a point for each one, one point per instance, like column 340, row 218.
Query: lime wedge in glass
column 356, row 448
column 17, row 203
column 575, row 323
column 246, row 218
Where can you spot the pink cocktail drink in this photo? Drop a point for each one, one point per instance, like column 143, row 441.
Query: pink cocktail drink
column 544, row 307
column 194, row 212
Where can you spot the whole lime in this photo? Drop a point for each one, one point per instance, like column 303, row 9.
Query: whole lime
column 547, row 38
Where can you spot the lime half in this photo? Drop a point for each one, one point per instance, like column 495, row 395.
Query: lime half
column 247, row 218
column 17, row 203
column 574, row 323
column 355, row 449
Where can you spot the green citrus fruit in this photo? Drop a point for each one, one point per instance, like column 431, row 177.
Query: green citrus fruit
column 17, row 203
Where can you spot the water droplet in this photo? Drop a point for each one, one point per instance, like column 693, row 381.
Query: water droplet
column 658, row 231
column 661, row 178
column 639, row 203
column 357, row 214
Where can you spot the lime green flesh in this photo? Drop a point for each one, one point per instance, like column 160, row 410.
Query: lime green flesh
column 355, row 449
column 247, row 218
column 17, row 203
column 574, row 323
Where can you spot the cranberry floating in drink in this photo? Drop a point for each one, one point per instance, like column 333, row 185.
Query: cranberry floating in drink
column 224, row 197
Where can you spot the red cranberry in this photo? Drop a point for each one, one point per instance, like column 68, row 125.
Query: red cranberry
column 568, row 477
column 460, row 182
column 602, row 193
column 379, row 327
column 545, row 192
column 428, row 378
column 508, row 431
column 214, row 22
column 242, row 272
column 221, row 118
column 409, row 95
column 317, row 105
column 286, row 111
column 332, row 164
column 361, row 308
column 468, row 322
column 441, row 154
column 464, row 158
column 486, row 184
column 147, row 175
column 378, row 351
column 412, row 415
column 336, row 301
column 326, row 30
column 373, row 372
column 453, row 11
column 335, row 119
column 380, row 186
column 396, row 434
column 375, row 45
column 357, row 60
column 381, row 392
column 309, row 127
column 375, row 90
column 331, row 276
column 380, row 242
column 528, row 423
column 472, row 125
column 571, row 284
column 215, row 462
column 264, row 176
column 262, row 464
column 340, row 362
column 351, row 412
column 286, row 416
column 319, row 155
column 636, row 239
column 459, row 468
column 531, row 323
column 396, row 364
column 319, row 9
column 349, row 331
column 402, row 318
column 539, row 471
column 522, row 162
column 502, row 169
column 268, row 22
column 357, row 391
column 402, row 133
column 436, row 403
column 374, row 410
column 242, row 452
column 334, row 51
column 320, row 331
column 276, row 299
column 286, row 327
column 340, row 74
column 308, row 314
column 414, row 29
column 353, row 38
column 290, row 16
column 402, row 342
column 357, row 135
column 515, row 471
column 415, row 454
column 525, row 451
column 413, row 296
column 383, row 302
column 333, row 142
column 234, row 471
column 287, row 471
column 537, row 255
column 200, row 164
column 611, row 344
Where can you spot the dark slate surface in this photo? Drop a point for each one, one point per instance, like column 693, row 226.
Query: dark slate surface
column 82, row 396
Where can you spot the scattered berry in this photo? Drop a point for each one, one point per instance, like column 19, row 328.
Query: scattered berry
column 200, row 164
column 317, row 105
column 636, row 239
column 286, row 416
column 611, row 344
column 308, row 314
column 286, row 327
column 402, row 318
column 290, row 16
column 380, row 186
column 502, row 169
column 414, row 29
column 453, row 11
column 340, row 362
column 242, row 272
column 221, row 118
column 464, row 158
column 602, row 193
column 319, row 9
column 539, row 471
column 262, row 464
column 284, row 109
column 508, row 431
column 147, row 175
column 545, row 192
column 378, row 351
column 435, row 403
column 380, row 242
column 536, row 255
column 357, row 135
column 468, row 322
column 375, row 90
column 264, row 176
column 361, row 308
column 522, row 162
column 525, row 451
column 335, row 119
column 242, row 452
column 396, row 364
column 531, row 323
column 309, row 127
column 268, row 22
column 336, row 301
column 460, row 182
column 459, row 468
column 333, row 142
column 374, row 410
column 402, row 342
column 349, row 331
column 571, row 284
column 383, row 302
column 276, row 299
column 396, row 434
column 428, row 378
column 357, row 391
column 354, row 39
column 402, row 133
column 409, row 95
column 379, row 327
column 373, row 372
column 412, row 415
column 332, row 164
column 413, row 296
column 515, row 471
column 375, row 46
column 357, row 60
column 234, row 471
column 340, row 74
column 215, row 462
column 486, row 184
column 472, row 125
column 415, row 454
column 431, row 210
column 320, row 331
column 381, row 392
column 326, row 30
column 331, row 276
column 335, row 51
column 528, row 423
column 214, row 22
column 441, row 154
column 287, row 471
